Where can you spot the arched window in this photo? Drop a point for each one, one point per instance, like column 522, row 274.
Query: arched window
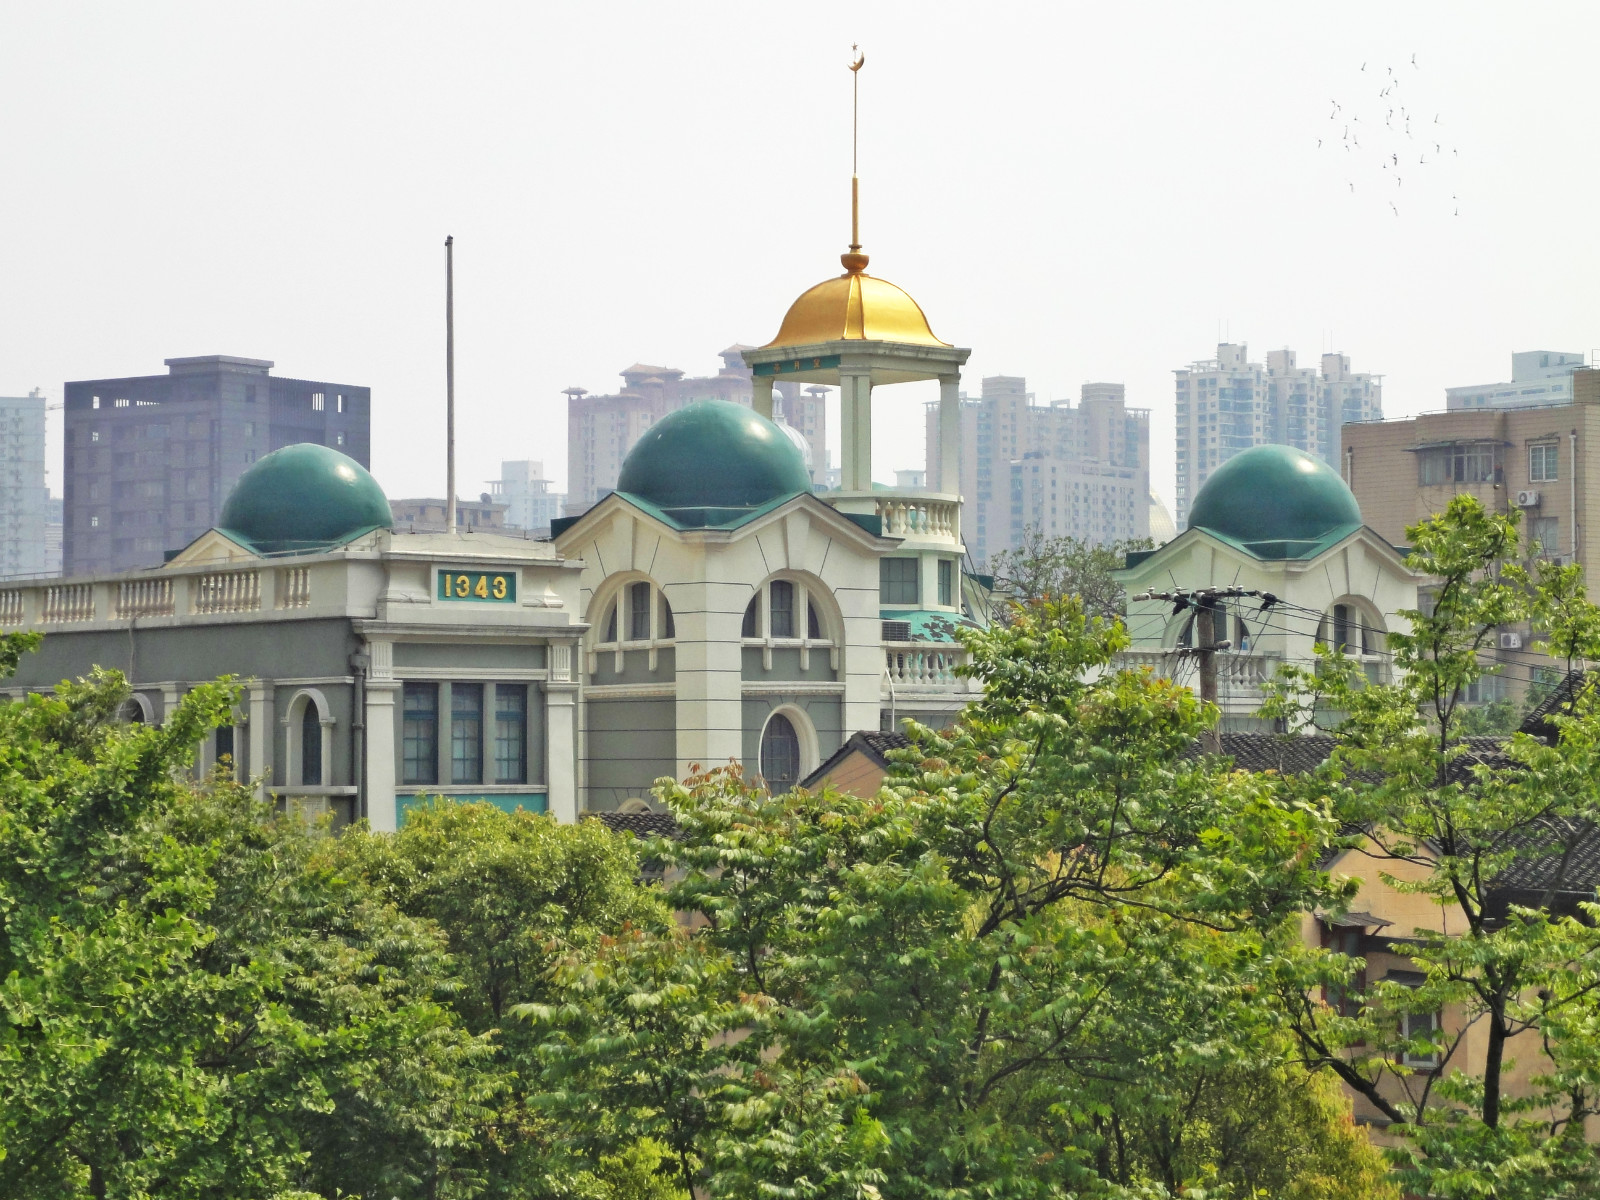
column 780, row 613
column 780, row 755
column 752, row 618
column 639, row 612
column 668, row 629
column 310, row 745
column 813, row 624
column 611, row 626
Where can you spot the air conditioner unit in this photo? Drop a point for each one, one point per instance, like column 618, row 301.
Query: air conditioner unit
column 1511, row 641
column 1528, row 499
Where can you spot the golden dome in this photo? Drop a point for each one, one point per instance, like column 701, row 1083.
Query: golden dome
column 855, row 307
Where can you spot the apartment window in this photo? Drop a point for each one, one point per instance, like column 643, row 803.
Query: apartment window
column 639, row 612
column 338, row 439
column 96, row 403
column 946, row 581
column 1467, row 463
column 780, row 755
column 510, row 733
column 420, row 734
column 1542, row 462
column 318, row 401
column 94, row 435
column 466, row 733
column 94, row 522
column 897, row 580
column 338, row 403
column 780, row 614
column 1544, row 535
column 249, row 429
column 310, row 745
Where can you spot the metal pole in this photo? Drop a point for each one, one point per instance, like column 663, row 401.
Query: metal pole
column 450, row 383
column 1205, row 639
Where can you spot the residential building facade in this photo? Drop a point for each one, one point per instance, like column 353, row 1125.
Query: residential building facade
column 1228, row 404
column 526, row 494
column 24, row 498
column 427, row 514
column 149, row 460
column 601, row 430
column 1082, row 470
column 1543, row 462
column 1538, row 378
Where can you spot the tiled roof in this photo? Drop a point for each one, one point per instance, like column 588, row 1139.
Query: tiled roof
column 1537, row 723
column 640, row 824
column 874, row 743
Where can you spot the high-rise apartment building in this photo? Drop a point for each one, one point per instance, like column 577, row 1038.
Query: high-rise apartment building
column 602, row 429
column 1538, row 378
column 1228, row 404
column 24, row 499
column 1082, row 471
column 523, row 489
column 149, row 459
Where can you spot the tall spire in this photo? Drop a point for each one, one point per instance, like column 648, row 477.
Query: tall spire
column 854, row 261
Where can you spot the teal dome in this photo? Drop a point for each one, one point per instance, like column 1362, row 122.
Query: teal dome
column 1276, row 500
column 712, row 457
column 302, row 498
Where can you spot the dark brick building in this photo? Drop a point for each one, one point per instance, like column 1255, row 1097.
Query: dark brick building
column 151, row 458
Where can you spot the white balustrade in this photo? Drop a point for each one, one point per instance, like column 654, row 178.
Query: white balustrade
column 67, row 602
column 227, row 592
column 924, row 664
column 294, row 587
column 143, row 598
column 916, row 516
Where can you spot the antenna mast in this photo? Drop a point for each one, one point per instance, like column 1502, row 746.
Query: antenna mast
column 855, row 126
column 450, row 384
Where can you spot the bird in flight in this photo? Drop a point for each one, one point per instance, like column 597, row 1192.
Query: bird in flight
column 1414, row 62
column 1396, row 210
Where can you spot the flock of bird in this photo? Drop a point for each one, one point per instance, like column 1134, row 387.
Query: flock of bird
column 1401, row 139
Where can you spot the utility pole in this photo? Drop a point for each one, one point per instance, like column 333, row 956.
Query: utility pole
column 1205, row 640
column 450, row 384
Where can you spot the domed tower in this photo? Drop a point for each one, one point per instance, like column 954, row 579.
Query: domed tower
column 1278, row 559
column 303, row 498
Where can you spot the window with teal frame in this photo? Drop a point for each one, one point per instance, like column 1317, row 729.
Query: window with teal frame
column 466, row 733
column 510, row 733
column 419, row 753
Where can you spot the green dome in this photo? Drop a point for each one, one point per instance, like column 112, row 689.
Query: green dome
column 303, row 497
column 709, row 456
column 1276, row 500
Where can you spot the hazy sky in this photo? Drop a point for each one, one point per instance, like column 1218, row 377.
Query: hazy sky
column 1076, row 192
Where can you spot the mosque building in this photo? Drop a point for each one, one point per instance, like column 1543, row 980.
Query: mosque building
column 1280, row 524
column 712, row 608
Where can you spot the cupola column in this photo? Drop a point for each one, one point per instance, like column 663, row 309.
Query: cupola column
column 761, row 395
column 855, row 432
column 950, row 433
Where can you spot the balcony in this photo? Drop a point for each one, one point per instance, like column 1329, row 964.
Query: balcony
column 923, row 519
column 168, row 593
column 1240, row 674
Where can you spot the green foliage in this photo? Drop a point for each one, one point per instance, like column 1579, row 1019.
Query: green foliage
column 515, row 895
column 1044, row 931
column 1045, row 567
column 1515, row 973
column 189, row 1007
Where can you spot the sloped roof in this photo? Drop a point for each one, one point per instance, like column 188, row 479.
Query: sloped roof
column 640, row 824
column 875, row 744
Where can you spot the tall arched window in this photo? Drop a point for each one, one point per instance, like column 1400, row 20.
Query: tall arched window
column 780, row 755
column 310, row 744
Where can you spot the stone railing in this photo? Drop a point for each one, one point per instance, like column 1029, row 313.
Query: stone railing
column 227, row 591
column 294, row 587
column 67, row 602
column 150, row 597
column 11, row 607
column 1240, row 675
column 923, row 516
column 925, row 665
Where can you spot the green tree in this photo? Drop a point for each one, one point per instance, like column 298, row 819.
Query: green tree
column 515, row 896
column 1049, row 566
column 189, row 1006
column 1046, row 927
column 1490, row 833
